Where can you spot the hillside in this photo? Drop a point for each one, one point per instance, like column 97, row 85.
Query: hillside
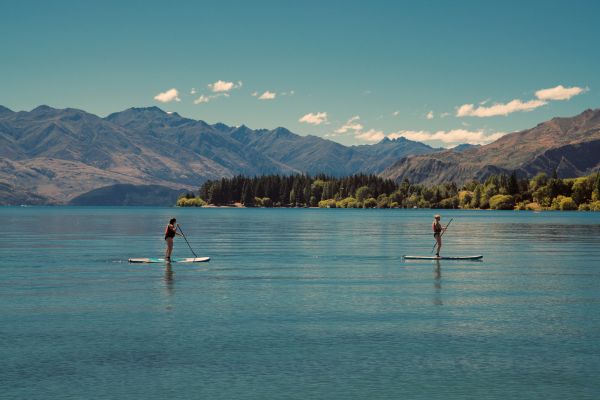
column 127, row 195
column 569, row 146
column 52, row 156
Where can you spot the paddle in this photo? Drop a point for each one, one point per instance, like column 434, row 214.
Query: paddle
column 442, row 233
column 188, row 243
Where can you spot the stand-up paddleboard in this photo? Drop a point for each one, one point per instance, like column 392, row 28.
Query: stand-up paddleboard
column 173, row 260
column 479, row 257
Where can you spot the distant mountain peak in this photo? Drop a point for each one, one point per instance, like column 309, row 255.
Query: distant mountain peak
column 145, row 110
column 281, row 131
column 242, row 129
column 5, row 110
column 43, row 109
column 222, row 127
column 400, row 139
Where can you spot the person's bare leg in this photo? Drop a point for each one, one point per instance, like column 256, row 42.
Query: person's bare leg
column 438, row 239
column 169, row 249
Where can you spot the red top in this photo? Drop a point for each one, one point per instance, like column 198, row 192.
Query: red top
column 169, row 232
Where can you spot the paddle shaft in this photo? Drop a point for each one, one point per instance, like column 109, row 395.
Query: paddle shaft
column 188, row 243
column 442, row 233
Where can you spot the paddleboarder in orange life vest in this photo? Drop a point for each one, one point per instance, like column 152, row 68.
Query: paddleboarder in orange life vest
column 437, row 233
column 170, row 233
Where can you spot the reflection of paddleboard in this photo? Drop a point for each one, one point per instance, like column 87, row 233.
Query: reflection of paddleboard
column 173, row 260
column 442, row 258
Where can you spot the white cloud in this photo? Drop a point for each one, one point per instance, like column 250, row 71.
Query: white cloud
column 429, row 115
column 202, row 99
column 372, row 135
column 444, row 114
column 559, row 93
column 452, row 137
column 396, row 113
column 193, row 91
column 469, row 110
column 351, row 124
column 206, row 98
column 168, row 96
column 267, row 95
column 314, row 118
column 254, row 94
column 223, row 86
column 542, row 97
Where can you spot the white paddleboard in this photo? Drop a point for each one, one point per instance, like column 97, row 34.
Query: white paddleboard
column 173, row 260
column 478, row 257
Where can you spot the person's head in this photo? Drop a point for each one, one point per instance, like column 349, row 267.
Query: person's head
column 437, row 217
column 172, row 221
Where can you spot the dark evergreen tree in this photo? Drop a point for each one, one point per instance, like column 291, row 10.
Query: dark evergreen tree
column 247, row 195
column 513, row 184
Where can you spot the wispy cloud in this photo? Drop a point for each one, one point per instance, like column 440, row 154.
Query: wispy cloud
column 543, row 96
column 350, row 125
column 444, row 114
column 559, row 93
column 168, row 96
column 267, row 95
column 372, row 135
column 469, row 110
column 202, row 99
column 451, row 137
column 396, row 113
column 193, row 91
column 206, row 98
column 317, row 118
column 224, row 86
column 429, row 115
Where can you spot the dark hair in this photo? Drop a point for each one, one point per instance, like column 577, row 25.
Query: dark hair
column 172, row 220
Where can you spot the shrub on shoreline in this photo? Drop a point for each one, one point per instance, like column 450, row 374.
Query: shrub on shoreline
column 497, row 192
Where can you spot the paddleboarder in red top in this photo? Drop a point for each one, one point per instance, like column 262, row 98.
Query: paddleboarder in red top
column 170, row 233
column 437, row 233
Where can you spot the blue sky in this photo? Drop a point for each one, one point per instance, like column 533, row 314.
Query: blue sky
column 437, row 71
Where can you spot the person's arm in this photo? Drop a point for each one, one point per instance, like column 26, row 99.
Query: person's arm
column 175, row 230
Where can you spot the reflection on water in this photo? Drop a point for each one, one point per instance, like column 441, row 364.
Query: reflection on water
column 297, row 302
column 437, row 283
column 168, row 278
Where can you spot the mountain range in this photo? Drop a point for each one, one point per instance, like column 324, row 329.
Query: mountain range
column 62, row 156
column 54, row 156
column 569, row 146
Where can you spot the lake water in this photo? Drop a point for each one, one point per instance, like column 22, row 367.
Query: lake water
column 298, row 304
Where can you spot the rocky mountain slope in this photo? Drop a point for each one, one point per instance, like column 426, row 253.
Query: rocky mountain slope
column 571, row 146
column 51, row 156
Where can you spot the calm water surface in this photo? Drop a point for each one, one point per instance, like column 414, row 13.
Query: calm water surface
column 298, row 304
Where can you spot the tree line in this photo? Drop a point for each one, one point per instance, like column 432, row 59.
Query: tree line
column 500, row 192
